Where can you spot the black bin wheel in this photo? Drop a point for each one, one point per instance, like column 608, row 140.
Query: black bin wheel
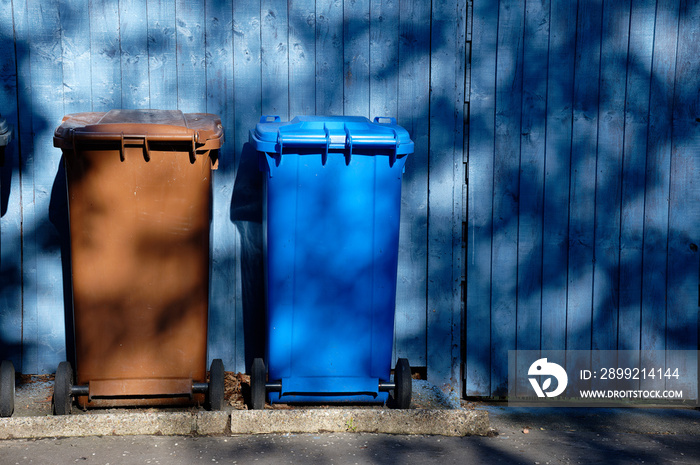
column 257, row 385
column 7, row 388
column 403, row 383
column 63, row 389
column 215, row 390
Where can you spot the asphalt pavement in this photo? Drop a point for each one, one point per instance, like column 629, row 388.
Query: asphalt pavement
column 509, row 444
column 510, row 435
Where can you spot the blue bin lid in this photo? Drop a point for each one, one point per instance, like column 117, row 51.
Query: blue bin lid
column 324, row 133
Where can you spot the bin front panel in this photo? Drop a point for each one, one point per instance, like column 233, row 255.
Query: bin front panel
column 332, row 253
column 140, row 261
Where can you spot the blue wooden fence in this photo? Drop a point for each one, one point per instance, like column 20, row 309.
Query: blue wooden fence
column 576, row 214
column 239, row 60
column 583, row 221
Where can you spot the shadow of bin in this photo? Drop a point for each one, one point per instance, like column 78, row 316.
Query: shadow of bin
column 139, row 185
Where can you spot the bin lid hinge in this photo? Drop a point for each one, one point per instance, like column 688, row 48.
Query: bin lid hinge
column 122, row 150
column 193, row 152
column 348, row 144
column 324, row 155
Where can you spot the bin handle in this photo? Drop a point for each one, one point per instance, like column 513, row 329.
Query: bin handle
column 266, row 119
column 392, row 144
column 316, row 139
column 320, row 142
column 145, row 139
column 392, row 120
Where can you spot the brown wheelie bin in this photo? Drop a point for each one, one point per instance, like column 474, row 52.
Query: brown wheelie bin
column 139, row 185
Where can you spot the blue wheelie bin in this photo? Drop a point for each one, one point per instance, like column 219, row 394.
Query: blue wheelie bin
column 332, row 199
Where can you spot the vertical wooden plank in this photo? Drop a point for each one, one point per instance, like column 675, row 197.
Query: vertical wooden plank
column 220, row 101
column 658, row 166
column 105, row 55
column 133, row 31
column 684, row 215
column 247, row 91
column 459, row 201
column 275, row 101
column 445, row 195
column 191, row 75
column 528, row 298
column 532, row 151
column 383, row 95
column 641, row 42
column 8, row 65
column 11, row 99
column 482, row 116
column 75, row 27
column 302, row 57
column 275, row 58
column 611, row 114
column 30, row 324
column 555, row 231
column 329, row 57
column 509, row 81
column 583, row 170
column 384, row 57
column 356, row 58
column 162, row 54
column 44, row 338
column 608, row 190
column 247, row 69
column 413, row 107
column 77, row 97
column 25, row 140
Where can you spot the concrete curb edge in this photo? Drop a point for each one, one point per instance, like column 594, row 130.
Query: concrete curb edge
column 418, row 421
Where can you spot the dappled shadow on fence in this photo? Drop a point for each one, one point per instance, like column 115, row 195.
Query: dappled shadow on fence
column 580, row 232
column 581, row 225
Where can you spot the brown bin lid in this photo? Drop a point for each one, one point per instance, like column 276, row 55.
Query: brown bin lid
column 203, row 129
